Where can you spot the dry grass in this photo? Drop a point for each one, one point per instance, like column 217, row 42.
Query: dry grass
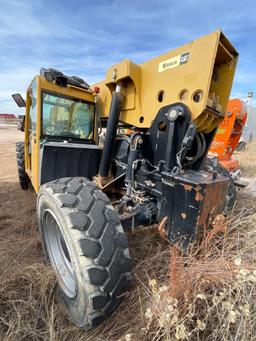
column 208, row 294
column 211, row 295
column 248, row 160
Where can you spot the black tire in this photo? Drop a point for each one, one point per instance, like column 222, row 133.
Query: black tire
column 231, row 192
column 23, row 177
column 97, row 247
column 241, row 146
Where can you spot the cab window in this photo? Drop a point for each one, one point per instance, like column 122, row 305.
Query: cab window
column 67, row 117
column 33, row 106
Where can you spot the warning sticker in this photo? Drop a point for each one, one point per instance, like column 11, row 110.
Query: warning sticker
column 173, row 62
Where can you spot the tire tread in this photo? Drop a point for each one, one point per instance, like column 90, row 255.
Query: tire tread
column 20, row 157
column 101, row 239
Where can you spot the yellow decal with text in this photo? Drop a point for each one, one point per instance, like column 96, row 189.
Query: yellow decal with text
column 173, row 62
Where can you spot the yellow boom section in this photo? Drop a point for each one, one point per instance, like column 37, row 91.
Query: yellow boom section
column 198, row 74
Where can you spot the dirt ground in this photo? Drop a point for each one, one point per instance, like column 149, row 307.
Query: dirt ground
column 17, row 207
column 28, row 306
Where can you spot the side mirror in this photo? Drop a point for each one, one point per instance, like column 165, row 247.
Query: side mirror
column 19, row 100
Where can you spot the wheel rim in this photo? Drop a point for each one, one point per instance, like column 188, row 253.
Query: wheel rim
column 59, row 254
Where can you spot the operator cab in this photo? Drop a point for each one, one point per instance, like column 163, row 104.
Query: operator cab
column 60, row 128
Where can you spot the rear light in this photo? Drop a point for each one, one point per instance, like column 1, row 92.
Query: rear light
column 96, row 89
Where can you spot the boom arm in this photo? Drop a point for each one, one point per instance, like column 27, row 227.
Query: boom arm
column 198, row 74
column 173, row 104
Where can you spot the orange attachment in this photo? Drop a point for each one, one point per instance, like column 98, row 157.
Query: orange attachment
column 231, row 165
column 229, row 133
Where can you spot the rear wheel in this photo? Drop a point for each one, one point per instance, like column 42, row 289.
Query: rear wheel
column 85, row 243
column 241, row 146
column 23, row 177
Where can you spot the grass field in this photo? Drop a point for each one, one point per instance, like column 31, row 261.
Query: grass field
column 208, row 295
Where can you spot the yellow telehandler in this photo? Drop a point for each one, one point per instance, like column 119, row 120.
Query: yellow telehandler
column 126, row 152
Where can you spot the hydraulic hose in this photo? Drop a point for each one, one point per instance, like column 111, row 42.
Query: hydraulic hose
column 113, row 119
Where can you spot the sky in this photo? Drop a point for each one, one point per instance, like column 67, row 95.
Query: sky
column 84, row 38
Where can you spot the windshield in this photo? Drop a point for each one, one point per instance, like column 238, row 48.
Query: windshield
column 67, row 117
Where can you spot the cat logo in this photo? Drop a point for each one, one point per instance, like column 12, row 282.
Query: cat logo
column 184, row 58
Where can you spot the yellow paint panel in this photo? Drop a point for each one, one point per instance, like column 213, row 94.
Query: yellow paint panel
column 207, row 68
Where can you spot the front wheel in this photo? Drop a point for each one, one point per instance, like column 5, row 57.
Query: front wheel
column 85, row 243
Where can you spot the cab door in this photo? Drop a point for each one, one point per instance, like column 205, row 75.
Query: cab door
column 33, row 135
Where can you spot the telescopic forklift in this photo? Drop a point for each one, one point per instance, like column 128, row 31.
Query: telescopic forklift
column 159, row 118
